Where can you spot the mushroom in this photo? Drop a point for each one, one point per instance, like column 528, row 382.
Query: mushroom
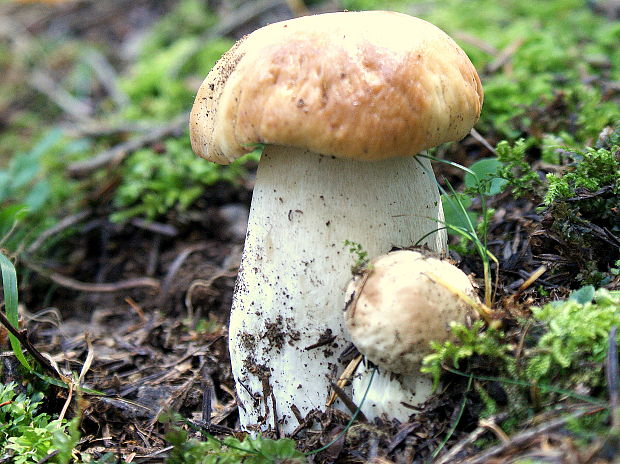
column 340, row 101
column 395, row 308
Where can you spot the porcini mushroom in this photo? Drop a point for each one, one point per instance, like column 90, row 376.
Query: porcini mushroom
column 395, row 308
column 327, row 95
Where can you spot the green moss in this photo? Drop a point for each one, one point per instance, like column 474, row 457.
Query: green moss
column 591, row 170
column 565, row 345
column 575, row 335
column 156, row 182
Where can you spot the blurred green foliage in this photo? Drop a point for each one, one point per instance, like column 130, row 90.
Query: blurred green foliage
column 153, row 183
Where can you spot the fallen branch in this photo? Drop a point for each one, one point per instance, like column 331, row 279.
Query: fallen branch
column 62, row 225
column 22, row 336
column 523, row 438
column 469, row 439
column 73, row 284
column 75, row 108
column 116, row 154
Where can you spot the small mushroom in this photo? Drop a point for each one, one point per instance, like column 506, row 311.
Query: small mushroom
column 395, row 308
column 341, row 102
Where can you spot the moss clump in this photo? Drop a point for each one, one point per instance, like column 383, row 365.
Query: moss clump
column 573, row 345
column 539, row 361
column 581, row 221
column 589, row 171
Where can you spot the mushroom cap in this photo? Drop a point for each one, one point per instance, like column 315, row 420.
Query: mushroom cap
column 363, row 85
column 395, row 309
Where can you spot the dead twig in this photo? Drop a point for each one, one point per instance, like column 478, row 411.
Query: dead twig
column 476, row 42
column 156, row 227
column 246, row 12
column 523, row 438
column 475, row 134
column 68, row 282
column 297, row 7
column 22, row 336
column 64, row 224
column 469, row 439
column 344, row 378
column 75, row 108
column 348, row 402
column 612, row 377
column 116, row 154
column 177, row 263
column 504, row 56
column 205, row 284
column 107, row 75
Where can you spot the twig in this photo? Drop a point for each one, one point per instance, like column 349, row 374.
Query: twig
column 75, row 108
column 107, row 76
column 62, row 225
column 177, row 263
column 612, row 377
column 504, row 56
column 157, row 227
column 49, row 457
column 246, row 12
column 207, row 285
column 99, row 127
column 297, row 7
column 469, row 439
column 476, row 42
column 116, row 154
column 534, row 276
column 22, row 336
column 475, row 134
column 522, row 438
column 344, row 378
column 68, row 282
column 348, row 402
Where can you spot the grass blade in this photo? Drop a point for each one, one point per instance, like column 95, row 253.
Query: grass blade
column 9, row 284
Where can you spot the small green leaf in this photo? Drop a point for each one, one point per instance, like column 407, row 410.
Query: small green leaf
column 454, row 207
column 583, row 295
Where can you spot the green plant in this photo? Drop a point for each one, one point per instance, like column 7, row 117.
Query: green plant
column 591, row 170
column 565, row 344
column 461, row 222
column 469, row 342
column 515, row 169
column 27, row 435
column 154, row 183
column 31, row 184
column 231, row 450
column 575, row 335
column 360, row 255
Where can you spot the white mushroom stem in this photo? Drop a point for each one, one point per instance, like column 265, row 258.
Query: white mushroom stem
column 390, row 395
column 286, row 324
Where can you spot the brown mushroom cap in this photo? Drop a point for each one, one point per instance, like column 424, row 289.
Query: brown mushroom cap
column 364, row 85
column 396, row 309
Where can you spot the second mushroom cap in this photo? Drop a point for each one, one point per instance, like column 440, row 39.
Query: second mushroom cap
column 398, row 306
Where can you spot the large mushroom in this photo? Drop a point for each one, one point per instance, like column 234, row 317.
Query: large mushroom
column 395, row 308
column 341, row 101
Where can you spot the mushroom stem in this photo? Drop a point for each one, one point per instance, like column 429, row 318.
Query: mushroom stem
column 286, row 324
column 390, row 395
